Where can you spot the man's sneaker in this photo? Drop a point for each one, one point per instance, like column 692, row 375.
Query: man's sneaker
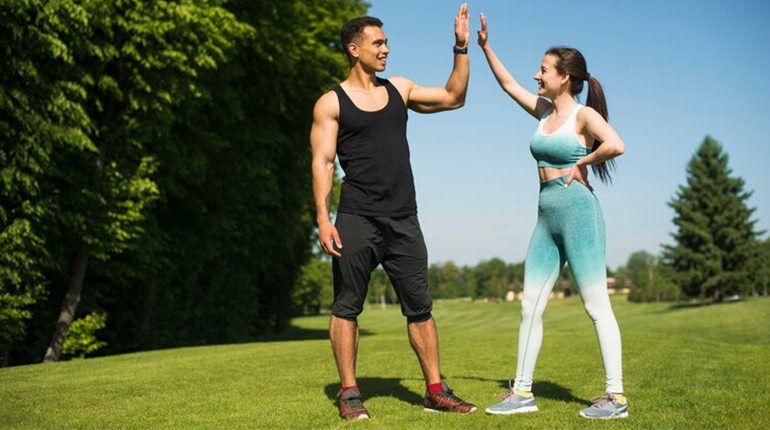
column 352, row 406
column 607, row 407
column 514, row 402
column 446, row 401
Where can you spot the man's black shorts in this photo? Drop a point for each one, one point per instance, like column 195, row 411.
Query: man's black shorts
column 396, row 243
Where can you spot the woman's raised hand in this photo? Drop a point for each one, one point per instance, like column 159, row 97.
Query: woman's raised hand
column 483, row 33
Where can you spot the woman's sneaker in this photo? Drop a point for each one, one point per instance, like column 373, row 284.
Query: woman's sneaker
column 514, row 402
column 352, row 405
column 607, row 407
column 446, row 401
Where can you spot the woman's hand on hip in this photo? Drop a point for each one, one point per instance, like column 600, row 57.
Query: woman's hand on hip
column 579, row 172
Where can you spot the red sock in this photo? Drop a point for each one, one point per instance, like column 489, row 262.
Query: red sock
column 435, row 388
column 347, row 388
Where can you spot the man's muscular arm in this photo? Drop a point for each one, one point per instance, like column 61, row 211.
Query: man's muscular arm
column 452, row 95
column 323, row 140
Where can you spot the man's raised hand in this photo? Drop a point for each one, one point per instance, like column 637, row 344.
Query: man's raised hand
column 462, row 27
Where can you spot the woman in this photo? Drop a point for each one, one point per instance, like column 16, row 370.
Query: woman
column 570, row 226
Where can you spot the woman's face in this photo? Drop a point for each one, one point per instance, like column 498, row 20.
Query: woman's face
column 550, row 82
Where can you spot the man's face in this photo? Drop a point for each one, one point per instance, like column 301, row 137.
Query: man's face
column 372, row 52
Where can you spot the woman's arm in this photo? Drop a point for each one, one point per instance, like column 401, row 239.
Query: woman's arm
column 593, row 125
column 531, row 103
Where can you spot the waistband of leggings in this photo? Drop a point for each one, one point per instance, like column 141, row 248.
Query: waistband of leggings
column 555, row 182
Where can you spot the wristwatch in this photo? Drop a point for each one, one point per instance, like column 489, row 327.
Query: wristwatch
column 460, row 51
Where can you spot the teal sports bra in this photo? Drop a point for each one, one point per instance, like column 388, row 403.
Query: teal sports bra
column 560, row 149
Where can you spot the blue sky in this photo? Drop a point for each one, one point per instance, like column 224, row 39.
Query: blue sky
column 672, row 72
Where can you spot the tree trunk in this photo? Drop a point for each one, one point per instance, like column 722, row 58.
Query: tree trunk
column 382, row 302
column 72, row 299
column 70, row 305
column 149, row 301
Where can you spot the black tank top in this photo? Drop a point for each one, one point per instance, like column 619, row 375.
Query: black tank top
column 374, row 155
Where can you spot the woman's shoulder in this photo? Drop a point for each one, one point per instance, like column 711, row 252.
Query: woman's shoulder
column 587, row 113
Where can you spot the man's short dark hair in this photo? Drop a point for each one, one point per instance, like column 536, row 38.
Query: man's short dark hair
column 354, row 29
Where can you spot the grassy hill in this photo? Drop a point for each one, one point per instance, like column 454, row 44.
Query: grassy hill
column 684, row 367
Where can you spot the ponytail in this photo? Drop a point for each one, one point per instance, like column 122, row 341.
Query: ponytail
column 597, row 102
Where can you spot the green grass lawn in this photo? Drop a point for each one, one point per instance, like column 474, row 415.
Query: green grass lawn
column 684, row 367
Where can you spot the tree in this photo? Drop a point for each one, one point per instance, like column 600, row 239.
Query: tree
column 314, row 288
column 492, row 278
column 650, row 279
column 128, row 75
column 714, row 236
column 155, row 155
column 445, row 280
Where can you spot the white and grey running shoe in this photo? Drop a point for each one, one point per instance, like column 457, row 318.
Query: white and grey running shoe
column 513, row 403
column 607, row 407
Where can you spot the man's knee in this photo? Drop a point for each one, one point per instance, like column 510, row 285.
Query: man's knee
column 347, row 317
column 418, row 318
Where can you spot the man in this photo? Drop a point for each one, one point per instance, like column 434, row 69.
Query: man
column 363, row 121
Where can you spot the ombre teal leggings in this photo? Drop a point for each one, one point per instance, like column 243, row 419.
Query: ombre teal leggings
column 570, row 228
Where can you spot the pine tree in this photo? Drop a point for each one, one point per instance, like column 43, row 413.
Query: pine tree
column 715, row 237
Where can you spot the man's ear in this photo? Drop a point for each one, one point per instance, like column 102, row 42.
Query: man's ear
column 353, row 50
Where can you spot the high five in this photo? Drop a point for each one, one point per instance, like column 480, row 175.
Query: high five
column 363, row 122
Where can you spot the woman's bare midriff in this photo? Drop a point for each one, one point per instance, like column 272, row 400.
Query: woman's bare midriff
column 548, row 173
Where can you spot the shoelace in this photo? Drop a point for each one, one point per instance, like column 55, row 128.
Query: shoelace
column 509, row 394
column 600, row 401
column 451, row 395
column 355, row 403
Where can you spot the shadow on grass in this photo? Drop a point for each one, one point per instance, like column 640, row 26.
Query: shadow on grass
column 298, row 333
column 391, row 387
column 542, row 390
column 378, row 387
column 549, row 390
column 694, row 305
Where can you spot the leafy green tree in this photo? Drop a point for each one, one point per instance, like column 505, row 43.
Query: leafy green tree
column 128, row 75
column 714, row 236
column 492, row 278
column 21, row 282
column 650, row 279
column 446, row 281
column 38, row 120
column 314, row 288
column 156, row 153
